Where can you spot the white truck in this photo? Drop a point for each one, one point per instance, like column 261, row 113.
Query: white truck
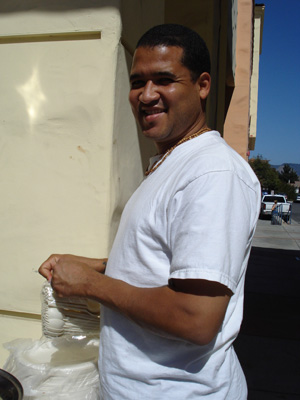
column 283, row 207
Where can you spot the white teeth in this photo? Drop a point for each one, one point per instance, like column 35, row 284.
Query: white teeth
column 150, row 112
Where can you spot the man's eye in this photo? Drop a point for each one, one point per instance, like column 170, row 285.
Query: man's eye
column 164, row 81
column 137, row 84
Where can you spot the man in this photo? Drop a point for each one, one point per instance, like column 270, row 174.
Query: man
column 173, row 286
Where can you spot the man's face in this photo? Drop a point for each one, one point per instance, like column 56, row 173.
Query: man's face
column 165, row 101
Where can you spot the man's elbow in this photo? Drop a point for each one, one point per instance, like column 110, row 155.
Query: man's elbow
column 202, row 340
column 201, row 335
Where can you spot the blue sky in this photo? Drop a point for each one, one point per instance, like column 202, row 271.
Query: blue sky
column 278, row 120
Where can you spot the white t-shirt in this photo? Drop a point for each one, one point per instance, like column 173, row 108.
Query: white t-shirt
column 192, row 218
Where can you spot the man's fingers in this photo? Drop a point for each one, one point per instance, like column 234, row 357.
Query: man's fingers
column 46, row 271
column 46, row 268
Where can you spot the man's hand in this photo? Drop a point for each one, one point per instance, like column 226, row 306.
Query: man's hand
column 72, row 279
column 70, row 275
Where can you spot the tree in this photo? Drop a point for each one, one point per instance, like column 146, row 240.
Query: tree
column 288, row 189
column 266, row 174
column 288, row 174
column 270, row 179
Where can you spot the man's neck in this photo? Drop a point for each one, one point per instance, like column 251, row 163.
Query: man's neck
column 162, row 148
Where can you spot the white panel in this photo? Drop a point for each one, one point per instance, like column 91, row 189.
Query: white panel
column 54, row 150
column 56, row 123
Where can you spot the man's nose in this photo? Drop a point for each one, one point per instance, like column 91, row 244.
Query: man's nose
column 149, row 93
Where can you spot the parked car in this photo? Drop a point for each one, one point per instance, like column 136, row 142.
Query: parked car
column 283, row 194
column 298, row 198
column 267, row 204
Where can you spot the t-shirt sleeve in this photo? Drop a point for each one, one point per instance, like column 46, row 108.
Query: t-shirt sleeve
column 210, row 229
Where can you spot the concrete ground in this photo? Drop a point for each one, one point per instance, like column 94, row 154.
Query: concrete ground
column 268, row 345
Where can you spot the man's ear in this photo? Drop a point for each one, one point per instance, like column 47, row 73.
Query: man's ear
column 204, row 82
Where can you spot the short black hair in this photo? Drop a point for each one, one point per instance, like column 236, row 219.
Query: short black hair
column 195, row 52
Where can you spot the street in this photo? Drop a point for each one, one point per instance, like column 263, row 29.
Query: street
column 268, row 344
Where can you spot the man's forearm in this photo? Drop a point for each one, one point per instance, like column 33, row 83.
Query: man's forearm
column 99, row 264
column 190, row 309
column 193, row 317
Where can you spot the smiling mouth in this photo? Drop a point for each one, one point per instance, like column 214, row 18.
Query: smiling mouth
column 152, row 112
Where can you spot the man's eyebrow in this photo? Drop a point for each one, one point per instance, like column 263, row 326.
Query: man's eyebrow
column 155, row 74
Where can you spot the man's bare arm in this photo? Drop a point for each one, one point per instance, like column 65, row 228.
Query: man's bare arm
column 195, row 317
column 189, row 309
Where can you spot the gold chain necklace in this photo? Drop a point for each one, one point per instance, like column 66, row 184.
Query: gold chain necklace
column 168, row 152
